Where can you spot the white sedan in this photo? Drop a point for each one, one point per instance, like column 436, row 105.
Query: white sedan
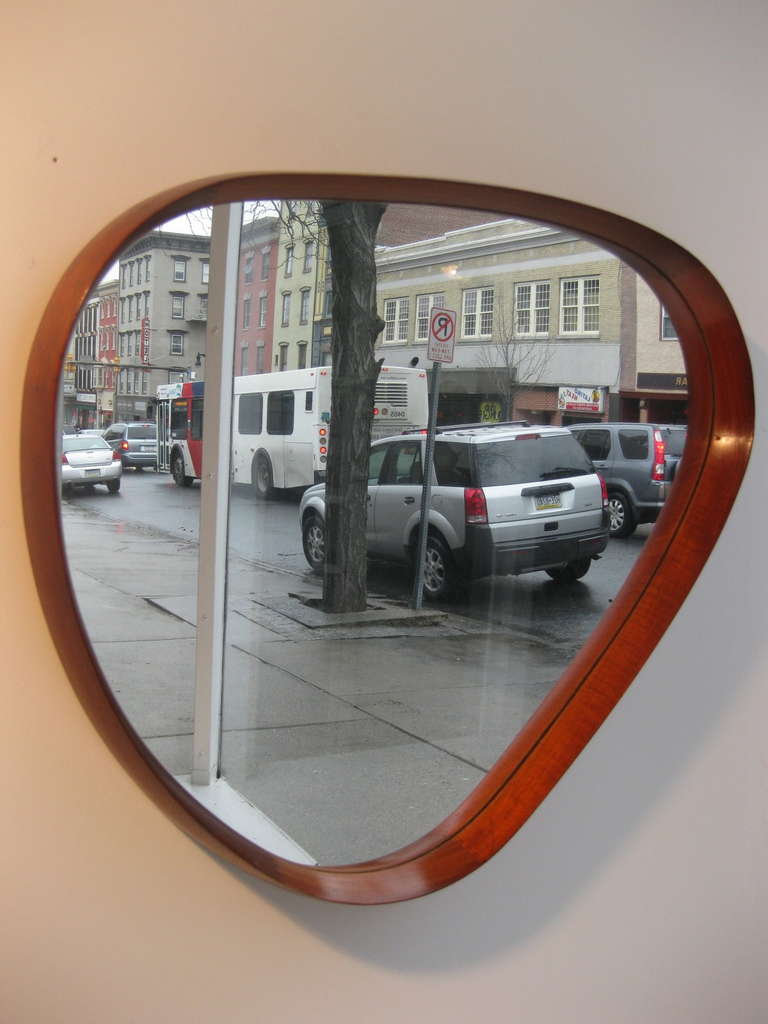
column 87, row 459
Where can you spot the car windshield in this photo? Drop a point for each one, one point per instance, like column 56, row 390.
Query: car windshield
column 142, row 431
column 78, row 443
column 526, row 459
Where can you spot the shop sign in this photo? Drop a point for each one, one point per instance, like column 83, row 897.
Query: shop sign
column 86, row 399
column 581, row 399
column 662, row 381
column 144, row 355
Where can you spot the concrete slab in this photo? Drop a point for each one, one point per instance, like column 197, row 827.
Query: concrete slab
column 110, row 614
column 346, row 792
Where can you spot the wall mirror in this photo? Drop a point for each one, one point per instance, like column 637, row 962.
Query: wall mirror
column 239, row 428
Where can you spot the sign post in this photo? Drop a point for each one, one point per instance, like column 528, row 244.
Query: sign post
column 442, row 336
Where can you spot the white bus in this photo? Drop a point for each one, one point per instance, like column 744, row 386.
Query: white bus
column 281, row 422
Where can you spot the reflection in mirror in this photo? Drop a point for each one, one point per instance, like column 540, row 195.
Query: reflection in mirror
column 366, row 675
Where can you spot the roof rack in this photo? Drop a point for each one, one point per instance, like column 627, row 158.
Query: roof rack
column 474, row 426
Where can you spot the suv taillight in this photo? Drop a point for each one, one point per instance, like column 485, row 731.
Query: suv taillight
column 659, row 449
column 475, row 509
column 124, row 445
column 603, row 490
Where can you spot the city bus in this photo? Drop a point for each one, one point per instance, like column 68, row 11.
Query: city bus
column 280, row 424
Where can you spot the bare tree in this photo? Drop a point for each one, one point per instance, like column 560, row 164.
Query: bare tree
column 513, row 362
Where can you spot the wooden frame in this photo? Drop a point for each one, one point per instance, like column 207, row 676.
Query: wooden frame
column 721, row 417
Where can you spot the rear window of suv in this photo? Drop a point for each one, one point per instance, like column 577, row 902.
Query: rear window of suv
column 675, row 440
column 142, row 432
column 520, row 461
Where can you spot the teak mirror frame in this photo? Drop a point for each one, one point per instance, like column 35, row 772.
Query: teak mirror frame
column 721, row 417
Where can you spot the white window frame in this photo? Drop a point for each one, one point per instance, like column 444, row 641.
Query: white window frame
column 424, row 306
column 532, row 312
column 289, row 251
column 263, row 306
column 285, row 309
column 205, row 271
column 667, row 330
column 246, row 322
column 309, row 256
column 179, row 269
column 304, row 300
column 477, row 311
column 178, row 304
column 396, row 318
column 177, row 343
column 581, row 308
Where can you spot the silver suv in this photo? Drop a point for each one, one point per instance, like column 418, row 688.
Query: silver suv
column 136, row 442
column 506, row 499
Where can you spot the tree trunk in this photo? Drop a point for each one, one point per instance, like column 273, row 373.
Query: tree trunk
column 352, row 228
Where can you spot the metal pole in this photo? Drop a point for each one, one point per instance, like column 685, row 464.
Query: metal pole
column 426, row 490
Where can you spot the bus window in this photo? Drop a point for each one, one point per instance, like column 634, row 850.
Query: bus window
column 196, row 426
column 308, row 402
column 250, row 413
column 280, row 412
column 179, row 419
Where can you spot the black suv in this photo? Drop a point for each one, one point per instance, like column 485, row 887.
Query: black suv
column 638, row 462
column 136, row 442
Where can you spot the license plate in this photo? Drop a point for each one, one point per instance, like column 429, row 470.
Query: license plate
column 545, row 501
column 147, row 447
column 93, row 472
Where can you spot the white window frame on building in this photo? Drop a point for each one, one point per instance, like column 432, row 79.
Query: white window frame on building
column 178, row 303
column 289, row 249
column 283, row 356
column 424, row 306
column 579, row 316
column 266, row 260
column 302, row 355
column 532, row 309
column 263, row 304
column 304, row 297
column 243, row 360
column 396, row 317
column 179, row 268
column 309, row 256
column 246, row 312
column 205, row 271
column 176, row 347
column 477, row 308
column 667, row 330
column 285, row 309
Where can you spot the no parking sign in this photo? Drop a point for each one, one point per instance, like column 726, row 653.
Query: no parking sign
column 442, row 335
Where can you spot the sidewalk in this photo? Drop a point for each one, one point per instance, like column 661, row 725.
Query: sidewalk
column 354, row 734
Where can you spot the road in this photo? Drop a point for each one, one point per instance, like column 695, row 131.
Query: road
column 268, row 532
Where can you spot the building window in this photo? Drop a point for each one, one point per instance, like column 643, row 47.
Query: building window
column 532, row 308
column 304, row 306
column 328, row 302
column 302, row 355
column 265, row 264
column 122, row 311
column 260, row 359
column 146, row 303
column 477, row 313
column 288, row 260
column 309, row 257
column 396, row 319
column 146, row 267
column 285, row 314
column 130, row 273
column 246, row 312
column 424, row 306
column 263, row 311
column 177, row 307
column 124, row 276
column 179, row 269
column 248, row 269
column 283, row 360
column 203, row 306
column 130, row 306
column 138, row 271
column 244, row 360
column 668, row 332
column 580, row 305
column 204, row 271
column 177, row 344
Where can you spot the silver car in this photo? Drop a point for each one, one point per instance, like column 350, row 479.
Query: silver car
column 506, row 499
column 87, row 459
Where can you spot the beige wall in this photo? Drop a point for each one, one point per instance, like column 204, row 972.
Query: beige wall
column 637, row 892
column 653, row 354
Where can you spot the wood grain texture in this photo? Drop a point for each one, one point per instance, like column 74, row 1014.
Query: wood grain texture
column 721, row 418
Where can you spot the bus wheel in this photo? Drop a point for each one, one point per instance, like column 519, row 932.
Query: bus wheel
column 262, row 477
column 177, row 468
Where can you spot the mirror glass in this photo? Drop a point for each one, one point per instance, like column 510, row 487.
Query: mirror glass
column 328, row 723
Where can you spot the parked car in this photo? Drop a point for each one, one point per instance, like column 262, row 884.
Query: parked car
column 136, row 442
column 506, row 499
column 87, row 460
column 638, row 462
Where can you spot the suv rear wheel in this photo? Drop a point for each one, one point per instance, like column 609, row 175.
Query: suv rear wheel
column 571, row 572
column 441, row 579
column 313, row 541
column 621, row 518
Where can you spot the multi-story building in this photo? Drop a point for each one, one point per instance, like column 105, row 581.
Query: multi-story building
column 539, row 319
column 259, row 257
column 163, row 316
column 654, row 383
column 300, row 270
